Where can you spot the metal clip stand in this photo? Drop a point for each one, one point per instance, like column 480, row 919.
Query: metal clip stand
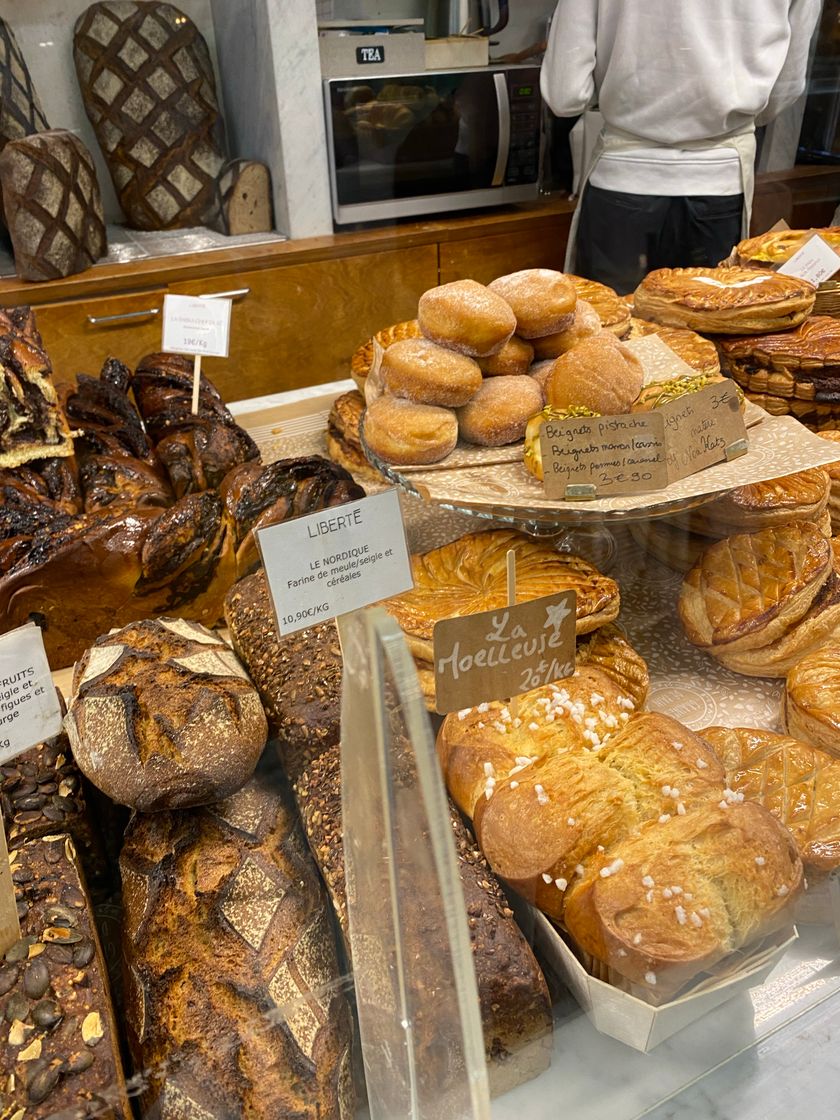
column 416, row 993
column 737, row 449
column 580, row 491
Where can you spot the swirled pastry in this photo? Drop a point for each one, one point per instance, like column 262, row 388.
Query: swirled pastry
column 724, row 300
column 779, row 245
column 811, row 706
column 746, row 590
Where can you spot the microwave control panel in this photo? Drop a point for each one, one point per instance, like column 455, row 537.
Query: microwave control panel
column 525, row 110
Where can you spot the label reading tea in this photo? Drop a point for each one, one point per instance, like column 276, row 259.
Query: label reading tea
column 497, row 654
column 334, row 561
column 703, row 428
column 816, row 261
column 192, row 325
column 612, row 454
column 29, row 706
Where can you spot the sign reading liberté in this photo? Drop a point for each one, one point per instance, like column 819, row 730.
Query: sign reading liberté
column 334, row 561
column 500, row 653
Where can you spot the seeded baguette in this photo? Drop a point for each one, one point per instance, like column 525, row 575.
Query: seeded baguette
column 60, row 1054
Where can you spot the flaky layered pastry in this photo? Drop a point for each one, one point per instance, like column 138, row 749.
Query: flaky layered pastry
column 811, row 705
column 803, row 363
column 724, row 300
column 612, row 310
column 779, row 245
column 470, row 575
column 342, row 439
column 799, row 784
column 362, row 359
column 696, row 351
column 833, row 472
column 802, row 496
column 747, row 590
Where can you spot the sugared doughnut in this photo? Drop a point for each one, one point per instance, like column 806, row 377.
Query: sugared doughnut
column 586, row 324
column 600, row 373
column 515, row 357
column 541, row 371
column 543, row 300
column 404, row 432
column 500, row 411
column 467, row 317
column 427, row 373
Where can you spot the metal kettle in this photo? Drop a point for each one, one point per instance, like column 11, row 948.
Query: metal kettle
column 463, row 17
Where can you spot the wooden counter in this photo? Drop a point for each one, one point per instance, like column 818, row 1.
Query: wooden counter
column 306, row 305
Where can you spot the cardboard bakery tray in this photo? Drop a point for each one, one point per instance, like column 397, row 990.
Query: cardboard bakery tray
column 631, row 1020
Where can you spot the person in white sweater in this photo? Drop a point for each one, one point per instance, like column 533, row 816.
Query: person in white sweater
column 681, row 86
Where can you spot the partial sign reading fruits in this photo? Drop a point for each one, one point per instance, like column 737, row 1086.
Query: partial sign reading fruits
column 29, row 706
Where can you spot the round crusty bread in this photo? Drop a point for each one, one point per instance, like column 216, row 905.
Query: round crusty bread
column 724, row 300
column 543, row 300
column 466, row 316
column 811, row 706
column 164, row 716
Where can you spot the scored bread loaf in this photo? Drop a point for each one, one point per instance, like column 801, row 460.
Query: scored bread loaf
column 59, row 1050
column 234, row 1005
column 299, row 679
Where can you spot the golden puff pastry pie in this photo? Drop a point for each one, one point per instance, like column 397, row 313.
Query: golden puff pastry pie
column 811, row 705
column 612, row 310
column 724, row 300
column 747, row 590
column 470, row 575
column 802, row 496
column 803, row 363
column 671, row 544
column 797, row 783
column 778, row 246
column 695, row 351
column 833, row 472
column 362, row 359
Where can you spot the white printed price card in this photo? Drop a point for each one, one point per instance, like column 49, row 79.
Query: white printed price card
column 335, row 561
column 29, row 706
column 816, row 261
column 497, row 654
column 196, row 326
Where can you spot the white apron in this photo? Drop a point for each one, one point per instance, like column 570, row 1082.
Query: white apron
column 616, row 140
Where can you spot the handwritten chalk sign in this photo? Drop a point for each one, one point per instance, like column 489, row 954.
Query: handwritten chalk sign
column 703, row 428
column 815, row 262
column 335, row 561
column 29, row 706
column 589, row 456
column 499, row 653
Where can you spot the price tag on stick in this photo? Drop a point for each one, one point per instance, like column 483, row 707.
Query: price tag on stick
column 334, row 561
column 198, row 326
column 29, row 713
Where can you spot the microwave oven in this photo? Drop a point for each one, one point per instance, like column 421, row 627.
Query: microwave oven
column 405, row 145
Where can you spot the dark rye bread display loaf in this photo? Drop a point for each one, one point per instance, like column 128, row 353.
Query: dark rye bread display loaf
column 234, row 1008
column 299, row 679
column 59, row 1050
column 163, row 716
column 514, row 1000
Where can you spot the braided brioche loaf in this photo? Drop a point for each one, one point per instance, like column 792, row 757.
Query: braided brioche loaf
column 154, row 514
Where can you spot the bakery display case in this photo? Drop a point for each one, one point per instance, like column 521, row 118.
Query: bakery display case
column 269, row 873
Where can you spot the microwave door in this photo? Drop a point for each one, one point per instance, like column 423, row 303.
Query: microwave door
column 396, row 138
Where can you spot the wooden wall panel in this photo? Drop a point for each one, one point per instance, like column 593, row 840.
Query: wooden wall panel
column 542, row 244
column 299, row 324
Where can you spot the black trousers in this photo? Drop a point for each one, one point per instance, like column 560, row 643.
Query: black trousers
column 623, row 236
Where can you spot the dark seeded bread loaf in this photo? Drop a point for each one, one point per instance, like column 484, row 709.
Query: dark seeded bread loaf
column 59, row 1053
column 233, row 1001
column 300, row 677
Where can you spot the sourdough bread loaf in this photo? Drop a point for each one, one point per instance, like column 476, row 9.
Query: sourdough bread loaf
column 234, row 1005
column 163, row 715
column 60, row 1055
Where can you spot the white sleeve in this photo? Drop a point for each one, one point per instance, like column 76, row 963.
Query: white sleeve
column 790, row 83
column 567, row 78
